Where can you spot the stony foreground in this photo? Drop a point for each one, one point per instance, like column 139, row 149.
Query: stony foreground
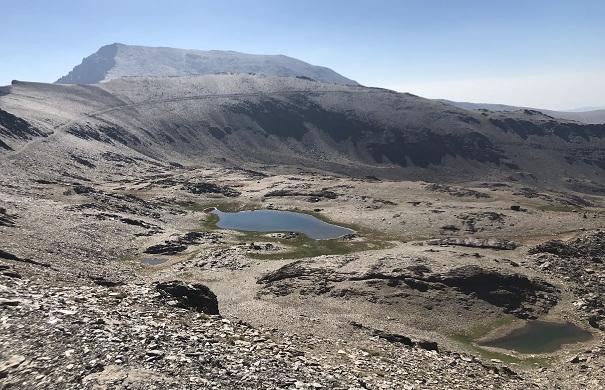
column 80, row 308
column 126, row 337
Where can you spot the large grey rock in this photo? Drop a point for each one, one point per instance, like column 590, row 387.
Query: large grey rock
column 190, row 296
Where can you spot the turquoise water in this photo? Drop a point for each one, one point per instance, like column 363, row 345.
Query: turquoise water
column 280, row 221
column 540, row 337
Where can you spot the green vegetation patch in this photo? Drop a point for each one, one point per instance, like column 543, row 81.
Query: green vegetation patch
column 302, row 246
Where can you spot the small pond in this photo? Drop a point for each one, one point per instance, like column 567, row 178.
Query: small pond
column 269, row 221
column 540, row 337
column 154, row 260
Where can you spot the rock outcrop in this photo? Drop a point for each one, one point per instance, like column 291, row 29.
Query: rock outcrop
column 476, row 243
column 582, row 261
column 190, row 296
column 211, row 188
column 513, row 293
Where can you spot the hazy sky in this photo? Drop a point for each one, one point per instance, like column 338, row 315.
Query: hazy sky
column 541, row 53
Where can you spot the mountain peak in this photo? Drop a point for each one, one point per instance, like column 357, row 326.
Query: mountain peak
column 118, row 60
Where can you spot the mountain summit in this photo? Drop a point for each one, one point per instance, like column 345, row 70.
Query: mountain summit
column 119, row 60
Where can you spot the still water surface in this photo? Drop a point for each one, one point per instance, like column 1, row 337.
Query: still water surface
column 540, row 337
column 280, row 221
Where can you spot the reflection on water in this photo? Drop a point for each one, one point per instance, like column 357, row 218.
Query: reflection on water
column 280, row 221
column 540, row 337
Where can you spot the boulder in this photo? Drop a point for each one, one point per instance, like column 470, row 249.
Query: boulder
column 476, row 243
column 196, row 297
column 6, row 219
column 405, row 340
column 314, row 196
column 211, row 188
column 168, row 248
column 590, row 246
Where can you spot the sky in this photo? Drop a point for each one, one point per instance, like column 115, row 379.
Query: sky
column 536, row 53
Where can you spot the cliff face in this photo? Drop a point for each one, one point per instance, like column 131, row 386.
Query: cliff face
column 94, row 68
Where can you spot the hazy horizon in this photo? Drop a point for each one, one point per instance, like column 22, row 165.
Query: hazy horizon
column 541, row 54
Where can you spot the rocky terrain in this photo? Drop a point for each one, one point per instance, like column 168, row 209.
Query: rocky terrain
column 236, row 120
column 114, row 274
column 126, row 337
column 84, row 307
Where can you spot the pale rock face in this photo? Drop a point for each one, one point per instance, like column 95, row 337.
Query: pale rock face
column 118, row 60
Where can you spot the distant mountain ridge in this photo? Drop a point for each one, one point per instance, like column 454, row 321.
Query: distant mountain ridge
column 590, row 117
column 243, row 120
column 585, row 109
column 118, row 60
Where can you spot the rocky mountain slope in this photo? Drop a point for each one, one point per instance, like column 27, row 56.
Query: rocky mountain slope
column 594, row 116
column 139, row 342
column 113, row 274
column 232, row 120
column 90, row 255
column 119, row 60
